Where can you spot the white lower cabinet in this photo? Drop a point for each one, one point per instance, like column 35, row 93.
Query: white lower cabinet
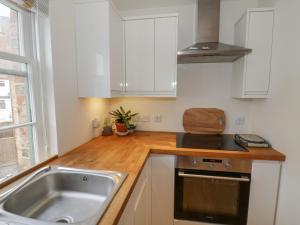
column 162, row 172
column 138, row 209
column 152, row 200
column 263, row 193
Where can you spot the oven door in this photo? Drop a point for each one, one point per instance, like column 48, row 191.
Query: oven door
column 212, row 196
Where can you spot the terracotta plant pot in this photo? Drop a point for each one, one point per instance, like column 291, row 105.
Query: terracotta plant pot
column 121, row 127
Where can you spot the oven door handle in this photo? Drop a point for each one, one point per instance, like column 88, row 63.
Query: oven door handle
column 183, row 174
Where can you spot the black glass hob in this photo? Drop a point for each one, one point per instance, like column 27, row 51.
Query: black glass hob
column 208, row 141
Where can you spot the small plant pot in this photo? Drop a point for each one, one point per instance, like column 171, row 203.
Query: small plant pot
column 121, row 127
column 131, row 128
column 107, row 131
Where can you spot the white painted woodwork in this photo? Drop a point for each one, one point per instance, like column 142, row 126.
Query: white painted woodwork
column 117, row 51
column 141, row 209
column 251, row 74
column 138, row 208
column 166, row 54
column 162, row 187
column 263, row 193
column 127, row 217
column 99, row 50
column 139, row 36
column 150, row 45
column 151, row 55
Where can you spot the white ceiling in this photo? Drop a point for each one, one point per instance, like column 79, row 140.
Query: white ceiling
column 140, row 4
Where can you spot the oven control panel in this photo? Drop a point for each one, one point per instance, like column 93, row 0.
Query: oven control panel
column 214, row 164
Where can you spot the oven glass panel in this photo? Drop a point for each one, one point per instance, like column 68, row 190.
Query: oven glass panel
column 211, row 196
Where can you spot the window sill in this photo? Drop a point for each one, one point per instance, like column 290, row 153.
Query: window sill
column 26, row 172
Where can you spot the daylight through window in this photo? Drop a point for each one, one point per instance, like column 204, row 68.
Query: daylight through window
column 18, row 116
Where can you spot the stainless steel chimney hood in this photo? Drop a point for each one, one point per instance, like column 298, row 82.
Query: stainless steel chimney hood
column 208, row 49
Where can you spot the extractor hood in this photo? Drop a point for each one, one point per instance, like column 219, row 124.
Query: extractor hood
column 208, row 49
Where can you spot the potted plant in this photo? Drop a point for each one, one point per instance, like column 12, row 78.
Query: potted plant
column 131, row 128
column 107, row 128
column 122, row 119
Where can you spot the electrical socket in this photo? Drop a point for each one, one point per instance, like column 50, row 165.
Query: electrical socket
column 136, row 119
column 144, row 118
column 95, row 123
column 240, row 121
column 157, row 118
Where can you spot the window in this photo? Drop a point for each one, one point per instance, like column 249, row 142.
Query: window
column 9, row 36
column 22, row 133
column 2, row 104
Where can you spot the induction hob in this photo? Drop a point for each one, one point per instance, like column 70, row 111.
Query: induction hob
column 208, row 141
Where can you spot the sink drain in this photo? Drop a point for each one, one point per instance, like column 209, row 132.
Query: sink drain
column 66, row 219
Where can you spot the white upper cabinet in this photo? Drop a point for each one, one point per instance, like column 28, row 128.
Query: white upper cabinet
column 251, row 74
column 151, row 55
column 165, row 54
column 110, row 63
column 139, row 36
column 116, row 52
column 99, row 49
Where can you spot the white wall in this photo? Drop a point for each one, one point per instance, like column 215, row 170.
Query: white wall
column 199, row 85
column 278, row 118
column 73, row 115
column 142, row 4
column 205, row 85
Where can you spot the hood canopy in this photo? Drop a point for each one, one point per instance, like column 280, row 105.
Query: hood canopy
column 208, row 49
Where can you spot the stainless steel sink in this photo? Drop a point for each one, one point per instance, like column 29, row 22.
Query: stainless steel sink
column 57, row 195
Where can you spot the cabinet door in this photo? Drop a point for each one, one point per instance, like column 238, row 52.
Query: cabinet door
column 138, row 208
column 127, row 217
column 142, row 202
column 260, row 36
column 92, row 49
column 116, row 51
column 141, row 207
column 263, row 193
column 162, row 187
column 165, row 54
column 139, row 38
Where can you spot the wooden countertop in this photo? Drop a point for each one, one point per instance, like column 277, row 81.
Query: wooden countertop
column 128, row 154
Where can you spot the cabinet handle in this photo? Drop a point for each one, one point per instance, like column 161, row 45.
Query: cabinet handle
column 183, row 174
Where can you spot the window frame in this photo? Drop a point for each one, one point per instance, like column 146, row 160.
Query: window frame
column 28, row 55
column 3, row 102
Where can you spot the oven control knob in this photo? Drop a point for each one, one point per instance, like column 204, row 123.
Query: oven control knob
column 211, row 165
column 228, row 165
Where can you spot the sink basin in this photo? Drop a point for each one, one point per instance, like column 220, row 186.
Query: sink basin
column 57, row 195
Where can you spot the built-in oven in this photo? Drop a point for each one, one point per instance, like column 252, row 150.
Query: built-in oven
column 212, row 190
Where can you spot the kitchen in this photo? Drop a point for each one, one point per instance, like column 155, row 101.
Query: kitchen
column 142, row 155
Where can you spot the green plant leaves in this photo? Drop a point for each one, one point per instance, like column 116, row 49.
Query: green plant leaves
column 121, row 116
